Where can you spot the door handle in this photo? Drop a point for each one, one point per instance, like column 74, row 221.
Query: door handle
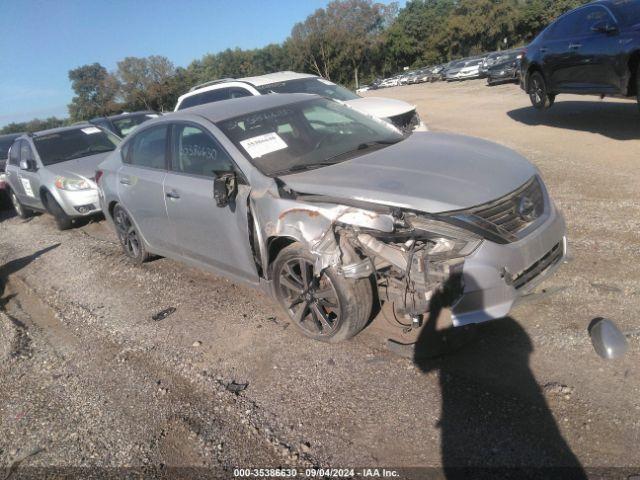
column 125, row 181
column 575, row 46
column 173, row 194
column 544, row 50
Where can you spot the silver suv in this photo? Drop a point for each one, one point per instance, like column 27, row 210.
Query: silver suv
column 332, row 211
column 53, row 171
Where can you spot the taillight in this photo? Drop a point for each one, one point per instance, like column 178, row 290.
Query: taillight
column 99, row 174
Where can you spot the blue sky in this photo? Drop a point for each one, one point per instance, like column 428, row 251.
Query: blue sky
column 40, row 41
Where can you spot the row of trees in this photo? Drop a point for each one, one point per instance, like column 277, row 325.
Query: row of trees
column 348, row 41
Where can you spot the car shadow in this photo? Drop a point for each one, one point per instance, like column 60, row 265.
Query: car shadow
column 18, row 264
column 494, row 421
column 615, row 120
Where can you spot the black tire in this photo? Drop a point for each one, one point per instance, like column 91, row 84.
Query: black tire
column 130, row 240
column 20, row 210
column 638, row 85
column 538, row 92
column 63, row 221
column 329, row 309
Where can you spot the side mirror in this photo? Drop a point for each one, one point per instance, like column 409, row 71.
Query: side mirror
column 604, row 27
column 225, row 188
column 28, row 165
column 607, row 340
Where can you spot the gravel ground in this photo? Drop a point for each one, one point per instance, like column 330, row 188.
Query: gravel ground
column 89, row 379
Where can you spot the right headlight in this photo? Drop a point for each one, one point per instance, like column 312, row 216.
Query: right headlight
column 444, row 241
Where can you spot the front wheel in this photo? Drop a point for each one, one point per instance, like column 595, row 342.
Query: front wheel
column 63, row 221
column 538, row 92
column 21, row 211
column 130, row 240
column 323, row 305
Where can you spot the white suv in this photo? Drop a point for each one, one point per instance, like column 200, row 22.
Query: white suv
column 402, row 114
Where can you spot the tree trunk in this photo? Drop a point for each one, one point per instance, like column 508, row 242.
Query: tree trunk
column 356, row 77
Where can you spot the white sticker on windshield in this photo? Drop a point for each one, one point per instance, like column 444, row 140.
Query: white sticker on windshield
column 326, row 82
column 26, row 184
column 263, row 144
column 90, row 130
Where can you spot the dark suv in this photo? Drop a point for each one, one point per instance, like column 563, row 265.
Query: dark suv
column 594, row 49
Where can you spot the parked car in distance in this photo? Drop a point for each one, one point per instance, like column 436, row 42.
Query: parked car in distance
column 508, row 70
column 5, row 144
column 453, row 69
column 495, row 58
column 53, row 171
column 330, row 210
column 402, row 114
column 594, row 49
column 124, row 123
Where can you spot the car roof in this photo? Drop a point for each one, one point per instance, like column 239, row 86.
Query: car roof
column 275, row 77
column 11, row 135
column 225, row 109
column 130, row 114
column 61, row 129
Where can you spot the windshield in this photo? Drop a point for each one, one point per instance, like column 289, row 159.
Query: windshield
column 125, row 125
column 5, row 144
column 316, row 85
column 627, row 11
column 306, row 135
column 69, row 144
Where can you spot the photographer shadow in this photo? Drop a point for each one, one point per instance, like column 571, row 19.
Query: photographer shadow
column 495, row 421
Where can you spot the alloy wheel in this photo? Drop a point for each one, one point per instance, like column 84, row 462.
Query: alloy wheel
column 537, row 92
column 127, row 233
column 311, row 302
column 16, row 204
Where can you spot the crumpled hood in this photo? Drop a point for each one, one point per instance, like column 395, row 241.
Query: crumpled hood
column 428, row 172
column 380, row 107
column 84, row 167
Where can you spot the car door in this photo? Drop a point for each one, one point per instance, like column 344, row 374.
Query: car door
column 140, row 185
column 595, row 51
column 208, row 235
column 28, row 177
column 555, row 52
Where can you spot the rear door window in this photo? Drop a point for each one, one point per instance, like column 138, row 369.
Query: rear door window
column 148, row 148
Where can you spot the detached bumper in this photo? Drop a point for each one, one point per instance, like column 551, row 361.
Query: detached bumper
column 497, row 276
column 79, row 204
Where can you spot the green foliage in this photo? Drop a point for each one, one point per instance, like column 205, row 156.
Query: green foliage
column 34, row 125
column 96, row 91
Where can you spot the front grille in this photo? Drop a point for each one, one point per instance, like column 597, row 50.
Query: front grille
column 538, row 268
column 509, row 215
column 406, row 121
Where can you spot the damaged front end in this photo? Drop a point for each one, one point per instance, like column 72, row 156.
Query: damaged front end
column 412, row 257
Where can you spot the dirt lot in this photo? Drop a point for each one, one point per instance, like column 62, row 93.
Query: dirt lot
column 88, row 378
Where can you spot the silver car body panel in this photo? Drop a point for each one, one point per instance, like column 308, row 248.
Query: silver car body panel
column 334, row 209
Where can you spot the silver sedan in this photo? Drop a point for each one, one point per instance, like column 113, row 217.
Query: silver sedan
column 335, row 213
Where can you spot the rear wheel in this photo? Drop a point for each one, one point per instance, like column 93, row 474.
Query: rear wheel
column 21, row 211
column 130, row 239
column 538, row 92
column 329, row 308
column 63, row 221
